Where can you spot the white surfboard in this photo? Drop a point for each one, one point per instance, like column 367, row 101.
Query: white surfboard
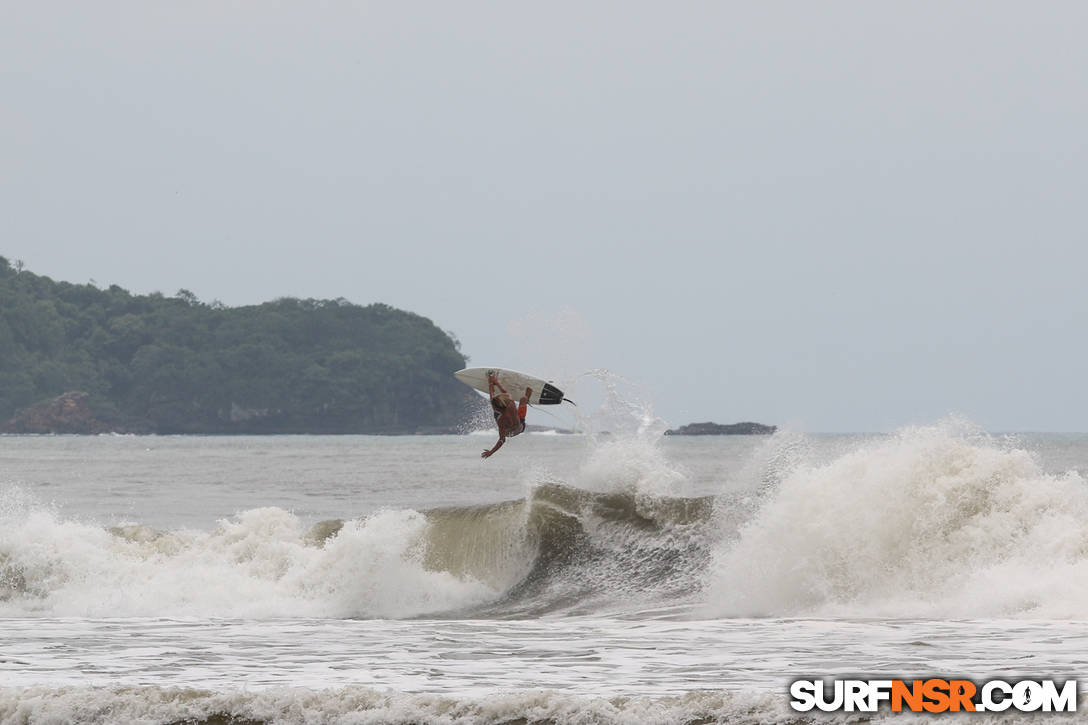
column 544, row 393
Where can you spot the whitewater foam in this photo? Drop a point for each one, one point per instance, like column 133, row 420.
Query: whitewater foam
column 358, row 706
column 617, row 534
column 366, row 706
column 560, row 548
column 933, row 521
column 261, row 563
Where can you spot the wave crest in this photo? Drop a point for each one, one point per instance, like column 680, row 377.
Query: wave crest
column 940, row 520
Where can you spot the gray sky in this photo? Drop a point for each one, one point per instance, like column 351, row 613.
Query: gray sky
column 837, row 215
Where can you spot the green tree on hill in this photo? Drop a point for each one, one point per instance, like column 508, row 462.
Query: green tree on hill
column 176, row 364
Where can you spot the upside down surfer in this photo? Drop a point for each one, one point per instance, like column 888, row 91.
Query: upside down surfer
column 509, row 418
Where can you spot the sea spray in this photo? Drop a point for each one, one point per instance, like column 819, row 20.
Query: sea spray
column 612, row 533
column 261, row 563
column 934, row 521
column 561, row 549
column 619, row 533
column 624, row 407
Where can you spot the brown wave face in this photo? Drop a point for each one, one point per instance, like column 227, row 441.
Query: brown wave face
column 566, row 550
column 561, row 550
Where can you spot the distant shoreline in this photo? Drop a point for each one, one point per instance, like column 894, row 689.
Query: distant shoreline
column 71, row 414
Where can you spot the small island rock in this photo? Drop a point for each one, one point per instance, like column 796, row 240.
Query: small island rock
column 732, row 429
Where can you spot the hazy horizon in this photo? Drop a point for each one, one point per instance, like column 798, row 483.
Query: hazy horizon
column 833, row 217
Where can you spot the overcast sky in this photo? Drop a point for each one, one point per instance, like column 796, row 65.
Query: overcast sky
column 843, row 216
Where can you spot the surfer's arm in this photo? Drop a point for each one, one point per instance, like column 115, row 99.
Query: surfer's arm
column 492, row 383
column 487, row 454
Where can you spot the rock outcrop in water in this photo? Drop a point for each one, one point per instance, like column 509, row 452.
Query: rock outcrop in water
column 718, row 429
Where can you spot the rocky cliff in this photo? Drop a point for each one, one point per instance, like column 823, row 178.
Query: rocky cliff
column 68, row 413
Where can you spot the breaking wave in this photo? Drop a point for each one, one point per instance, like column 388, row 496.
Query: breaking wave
column 933, row 521
column 940, row 521
column 562, row 549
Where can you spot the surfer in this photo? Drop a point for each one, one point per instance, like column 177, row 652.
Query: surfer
column 509, row 418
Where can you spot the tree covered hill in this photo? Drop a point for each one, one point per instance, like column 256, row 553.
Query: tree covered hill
column 151, row 363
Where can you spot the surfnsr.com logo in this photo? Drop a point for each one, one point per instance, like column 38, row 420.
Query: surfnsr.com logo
column 933, row 695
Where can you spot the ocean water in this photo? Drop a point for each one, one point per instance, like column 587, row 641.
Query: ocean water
column 625, row 578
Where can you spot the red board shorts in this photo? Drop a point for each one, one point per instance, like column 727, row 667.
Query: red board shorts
column 523, row 410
